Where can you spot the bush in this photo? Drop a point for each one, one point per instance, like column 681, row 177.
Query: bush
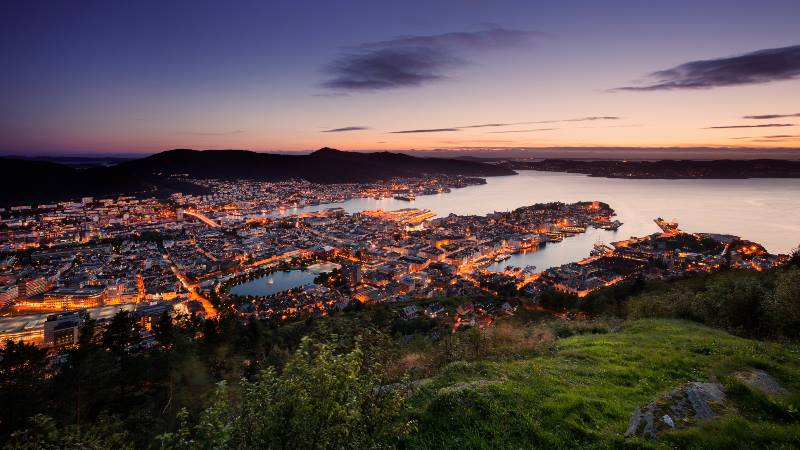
column 745, row 303
column 783, row 308
column 319, row 400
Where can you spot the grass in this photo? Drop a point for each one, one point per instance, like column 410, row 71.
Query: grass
column 581, row 394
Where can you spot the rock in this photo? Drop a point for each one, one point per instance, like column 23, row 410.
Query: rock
column 761, row 381
column 680, row 408
column 472, row 385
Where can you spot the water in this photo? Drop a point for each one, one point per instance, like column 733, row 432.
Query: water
column 282, row 280
column 765, row 210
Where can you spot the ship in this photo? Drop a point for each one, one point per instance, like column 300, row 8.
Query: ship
column 612, row 226
column 555, row 237
column 502, row 257
column 600, row 249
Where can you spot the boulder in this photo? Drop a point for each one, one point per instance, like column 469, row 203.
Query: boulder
column 680, row 408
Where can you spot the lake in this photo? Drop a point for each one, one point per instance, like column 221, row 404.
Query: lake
column 281, row 280
column 765, row 210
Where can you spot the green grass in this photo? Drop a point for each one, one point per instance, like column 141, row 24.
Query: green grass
column 581, row 395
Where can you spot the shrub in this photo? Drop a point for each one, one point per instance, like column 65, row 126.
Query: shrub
column 319, row 400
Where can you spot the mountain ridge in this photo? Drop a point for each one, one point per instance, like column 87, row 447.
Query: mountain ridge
column 38, row 181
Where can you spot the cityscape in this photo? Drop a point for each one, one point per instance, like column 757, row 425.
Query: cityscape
column 399, row 225
column 148, row 255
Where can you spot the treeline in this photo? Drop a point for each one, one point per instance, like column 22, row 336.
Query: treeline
column 334, row 382
column 743, row 302
column 753, row 304
column 117, row 388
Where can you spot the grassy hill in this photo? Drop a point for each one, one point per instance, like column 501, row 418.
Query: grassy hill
column 367, row 378
column 581, row 393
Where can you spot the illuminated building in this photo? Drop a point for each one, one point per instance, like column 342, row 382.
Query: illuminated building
column 62, row 329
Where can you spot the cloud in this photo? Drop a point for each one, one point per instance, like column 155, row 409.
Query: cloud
column 339, row 130
column 762, row 66
column 412, row 61
column 765, row 125
column 771, row 116
column 428, row 130
column 524, row 131
column 773, row 136
column 579, row 119
column 509, row 124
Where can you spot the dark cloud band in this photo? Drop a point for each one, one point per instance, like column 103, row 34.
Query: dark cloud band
column 765, row 125
column 757, row 67
column 339, row 130
column 771, row 116
column 412, row 61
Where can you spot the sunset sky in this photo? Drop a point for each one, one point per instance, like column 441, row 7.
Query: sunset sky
column 139, row 77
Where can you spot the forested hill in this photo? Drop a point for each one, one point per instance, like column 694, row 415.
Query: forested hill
column 669, row 169
column 27, row 181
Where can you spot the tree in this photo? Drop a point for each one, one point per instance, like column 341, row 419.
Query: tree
column 734, row 303
column 122, row 333
column 320, row 400
column 44, row 434
column 164, row 330
column 22, row 383
column 783, row 308
column 86, row 338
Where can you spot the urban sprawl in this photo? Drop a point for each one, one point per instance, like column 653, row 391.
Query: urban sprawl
column 185, row 255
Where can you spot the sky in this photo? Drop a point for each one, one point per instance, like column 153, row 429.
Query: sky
column 85, row 77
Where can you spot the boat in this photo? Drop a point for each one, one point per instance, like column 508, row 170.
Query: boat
column 600, row 249
column 612, row 226
column 501, row 257
column 405, row 198
column 555, row 237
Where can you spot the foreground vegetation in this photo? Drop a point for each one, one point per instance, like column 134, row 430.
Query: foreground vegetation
column 582, row 393
column 366, row 379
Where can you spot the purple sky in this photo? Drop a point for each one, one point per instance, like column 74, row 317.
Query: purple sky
column 139, row 77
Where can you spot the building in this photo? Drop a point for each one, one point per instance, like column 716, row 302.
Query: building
column 8, row 294
column 63, row 329
column 31, row 287
column 71, row 298
column 351, row 272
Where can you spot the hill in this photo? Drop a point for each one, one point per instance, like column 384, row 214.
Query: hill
column 583, row 393
column 326, row 165
column 368, row 378
column 28, row 181
column 669, row 169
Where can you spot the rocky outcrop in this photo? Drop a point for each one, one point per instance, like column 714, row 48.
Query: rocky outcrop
column 680, row 408
column 759, row 380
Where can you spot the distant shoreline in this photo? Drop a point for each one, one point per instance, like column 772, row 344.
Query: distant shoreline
column 666, row 169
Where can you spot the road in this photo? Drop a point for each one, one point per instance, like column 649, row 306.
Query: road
column 203, row 218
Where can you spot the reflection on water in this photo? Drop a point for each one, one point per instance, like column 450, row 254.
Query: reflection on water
column 282, row 280
column 763, row 210
column 275, row 282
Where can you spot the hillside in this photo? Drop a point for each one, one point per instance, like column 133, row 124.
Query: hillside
column 669, row 169
column 29, row 181
column 366, row 377
column 326, row 165
column 582, row 394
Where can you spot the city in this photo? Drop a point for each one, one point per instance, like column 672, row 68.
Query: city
column 183, row 254
column 375, row 225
